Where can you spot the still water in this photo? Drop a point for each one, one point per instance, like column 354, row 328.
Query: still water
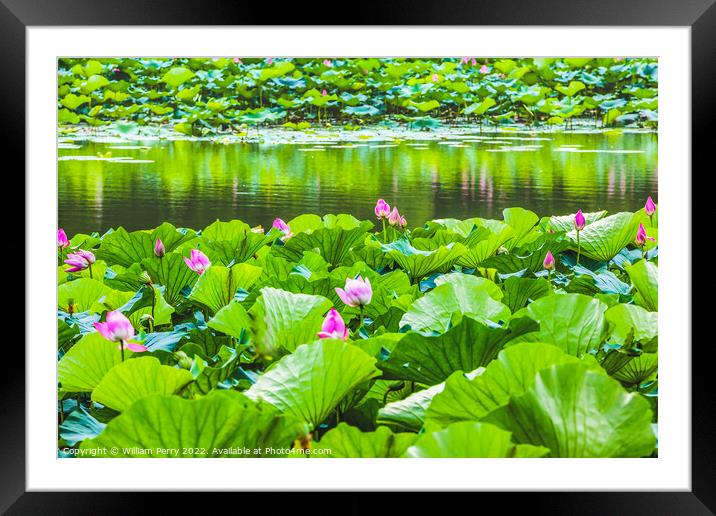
column 192, row 183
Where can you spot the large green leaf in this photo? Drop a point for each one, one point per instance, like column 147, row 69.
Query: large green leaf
column 419, row 263
column 624, row 320
column 565, row 223
column 345, row 441
column 519, row 292
column 82, row 368
column 231, row 320
column 217, row 286
column 83, row 294
column 521, row 221
column 603, row 239
column 484, row 241
column 310, row 382
column 576, row 411
column 434, row 311
column 137, row 378
column 333, row 244
column 284, row 320
column 222, row 424
column 644, row 275
column 574, row 322
column 233, row 242
column 471, row 397
column 464, row 347
column 123, row 248
column 172, row 272
column 471, row 440
column 409, row 413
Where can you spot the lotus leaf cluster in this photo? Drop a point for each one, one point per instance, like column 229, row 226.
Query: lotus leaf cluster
column 330, row 337
column 205, row 96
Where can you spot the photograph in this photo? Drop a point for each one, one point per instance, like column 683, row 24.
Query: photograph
column 357, row 257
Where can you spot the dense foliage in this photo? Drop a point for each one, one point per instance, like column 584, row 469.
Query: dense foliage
column 335, row 337
column 202, row 96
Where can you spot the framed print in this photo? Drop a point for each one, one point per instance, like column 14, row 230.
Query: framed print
column 425, row 250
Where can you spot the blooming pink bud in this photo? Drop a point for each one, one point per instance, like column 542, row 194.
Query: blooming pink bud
column 63, row 241
column 474, row 61
column 198, row 261
column 435, row 77
column 650, row 207
column 324, row 92
column 159, row 248
column 484, row 69
column 579, row 221
column 641, row 236
column 79, row 260
column 269, row 61
column 464, row 60
column 328, row 62
column 394, row 217
column 403, row 223
column 283, row 227
column 356, row 292
column 548, row 262
column 382, row 209
column 333, row 326
column 237, row 60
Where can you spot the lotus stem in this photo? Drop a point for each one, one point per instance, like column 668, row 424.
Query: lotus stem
column 90, row 270
column 385, row 234
column 121, row 349
column 360, row 325
column 579, row 248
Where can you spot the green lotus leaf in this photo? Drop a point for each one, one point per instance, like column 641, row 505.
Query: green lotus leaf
column 284, row 320
column 521, row 221
column 625, row 320
column 603, row 239
column 333, row 244
column 124, row 248
column 82, row 368
column 471, row 440
column 471, row 397
column 177, row 76
column 644, row 275
column 484, row 242
column 638, row 369
column 409, row 413
column 576, row 411
column 574, row 322
column 138, row 378
column 519, row 292
column 222, row 424
column 431, row 359
column 217, row 285
column 434, row 311
column 565, row 223
column 345, row 441
column 419, row 263
column 309, row 383
column 172, row 273
column 83, row 294
column 231, row 320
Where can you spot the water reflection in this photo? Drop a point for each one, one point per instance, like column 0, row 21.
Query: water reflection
column 192, row 183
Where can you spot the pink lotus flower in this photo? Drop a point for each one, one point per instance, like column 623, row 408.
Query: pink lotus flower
column 117, row 328
column 159, row 248
column 198, row 261
column 333, row 326
column 269, row 61
column 650, row 207
column 548, row 261
column 324, row 92
column 579, row 221
column 237, row 60
column 435, row 77
column 474, row 61
column 356, row 292
column 464, row 60
column 382, row 209
column 283, row 227
column 641, row 236
column 328, row 63
column 394, row 219
column 79, row 260
column 63, row 241
column 484, row 69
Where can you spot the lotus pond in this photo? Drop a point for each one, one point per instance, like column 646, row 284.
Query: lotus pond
column 338, row 337
column 329, row 257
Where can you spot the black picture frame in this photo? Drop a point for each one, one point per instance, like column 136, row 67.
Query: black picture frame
column 700, row 15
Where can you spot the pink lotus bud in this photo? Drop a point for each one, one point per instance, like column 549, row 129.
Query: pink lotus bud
column 237, row 60
column 394, row 217
column 324, row 92
column 198, row 261
column 403, row 223
column 548, row 262
column 159, row 248
column 269, row 61
column 579, row 221
column 464, row 60
column 333, row 326
column 474, row 61
column 357, row 292
column 650, row 207
column 283, row 227
column 63, row 241
column 382, row 209
column 484, row 69
column 328, row 62
column 641, row 236
column 435, row 77
column 79, row 260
